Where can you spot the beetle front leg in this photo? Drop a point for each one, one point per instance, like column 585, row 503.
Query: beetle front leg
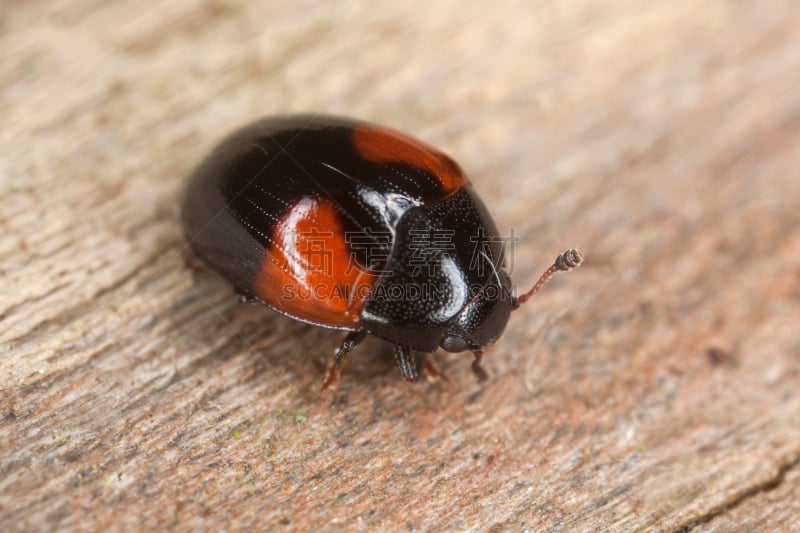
column 477, row 369
column 352, row 340
column 408, row 367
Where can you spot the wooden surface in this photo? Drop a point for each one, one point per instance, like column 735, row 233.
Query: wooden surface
column 655, row 389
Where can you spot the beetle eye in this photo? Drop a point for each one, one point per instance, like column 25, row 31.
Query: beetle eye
column 454, row 344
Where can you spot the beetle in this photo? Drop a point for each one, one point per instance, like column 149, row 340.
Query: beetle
column 352, row 226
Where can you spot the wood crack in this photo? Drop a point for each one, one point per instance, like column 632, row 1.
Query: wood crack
column 765, row 486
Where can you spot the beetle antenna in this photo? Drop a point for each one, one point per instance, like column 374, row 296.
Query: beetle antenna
column 568, row 260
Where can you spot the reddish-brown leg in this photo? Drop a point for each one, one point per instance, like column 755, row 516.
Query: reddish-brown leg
column 435, row 373
column 352, row 340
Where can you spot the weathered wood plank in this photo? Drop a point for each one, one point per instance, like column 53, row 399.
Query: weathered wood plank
column 654, row 389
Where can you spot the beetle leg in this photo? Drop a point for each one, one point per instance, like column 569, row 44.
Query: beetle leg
column 408, row 367
column 352, row 340
column 246, row 296
column 477, row 369
column 435, row 373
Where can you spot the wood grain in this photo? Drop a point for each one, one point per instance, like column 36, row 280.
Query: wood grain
column 654, row 389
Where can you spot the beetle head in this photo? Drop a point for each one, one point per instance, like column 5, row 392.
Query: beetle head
column 484, row 318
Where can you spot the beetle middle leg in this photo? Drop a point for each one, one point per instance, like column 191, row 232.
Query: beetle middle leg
column 434, row 373
column 352, row 340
